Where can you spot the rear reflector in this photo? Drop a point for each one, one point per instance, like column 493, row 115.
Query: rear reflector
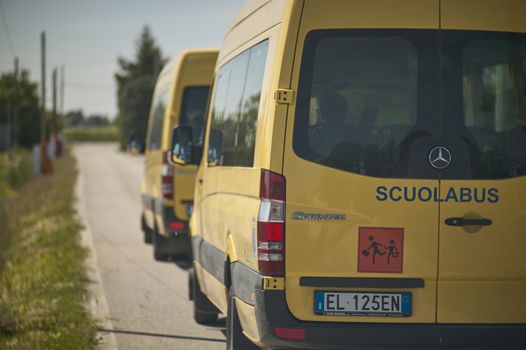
column 290, row 333
column 270, row 231
column 176, row 225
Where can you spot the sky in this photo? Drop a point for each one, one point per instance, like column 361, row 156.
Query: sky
column 87, row 37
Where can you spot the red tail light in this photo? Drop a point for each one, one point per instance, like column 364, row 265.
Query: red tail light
column 290, row 333
column 272, row 186
column 176, row 225
column 271, row 225
column 167, row 178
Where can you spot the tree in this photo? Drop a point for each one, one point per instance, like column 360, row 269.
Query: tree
column 135, row 84
column 74, row 118
column 19, row 95
column 97, row 120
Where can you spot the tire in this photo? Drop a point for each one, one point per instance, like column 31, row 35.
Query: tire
column 148, row 237
column 205, row 312
column 147, row 232
column 191, row 284
column 235, row 339
column 175, row 249
column 158, row 242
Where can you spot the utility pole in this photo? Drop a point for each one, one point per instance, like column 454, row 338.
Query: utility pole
column 14, row 142
column 10, row 131
column 54, row 92
column 43, row 112
column 62, row 77
column 16, row 68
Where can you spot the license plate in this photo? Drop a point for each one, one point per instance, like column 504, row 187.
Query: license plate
column 362, row 304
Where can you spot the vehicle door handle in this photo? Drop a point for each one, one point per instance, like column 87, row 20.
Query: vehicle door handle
column 468, row 222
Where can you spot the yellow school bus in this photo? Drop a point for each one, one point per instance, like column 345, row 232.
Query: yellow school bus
column 364, row 176
column 180, row 98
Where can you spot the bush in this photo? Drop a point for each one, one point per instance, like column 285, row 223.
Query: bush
column 15, row 170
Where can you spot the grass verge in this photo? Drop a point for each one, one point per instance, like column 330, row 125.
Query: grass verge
column 16, row 168
column 92, row 134
column 43, row 283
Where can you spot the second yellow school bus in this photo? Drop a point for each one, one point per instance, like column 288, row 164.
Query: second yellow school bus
column 180, row 98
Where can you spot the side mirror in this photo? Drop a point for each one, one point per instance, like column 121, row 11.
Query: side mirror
column 181, row 146
column 215, row 147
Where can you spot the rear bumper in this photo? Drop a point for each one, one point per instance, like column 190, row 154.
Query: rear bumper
column 170, row 241
column 168, row 217
column 176, row 246
column 272, row 311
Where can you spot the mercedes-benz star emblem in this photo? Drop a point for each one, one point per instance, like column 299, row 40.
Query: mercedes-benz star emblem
column 440, row 157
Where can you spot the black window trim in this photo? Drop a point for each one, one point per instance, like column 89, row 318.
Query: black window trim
column 211, row 100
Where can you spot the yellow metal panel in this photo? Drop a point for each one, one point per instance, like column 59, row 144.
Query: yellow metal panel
column 272, row 123
column 231, row 249
column 214, row 290
column 281, row 78
column 247, row 315
column 481, row 302
column 153, row 162
column 482, row 271
column 330, row 248
column 255, row 18
column 184, row 181
column 491, row 15
column 229, row 207
column 147, row 213
column 370, row 14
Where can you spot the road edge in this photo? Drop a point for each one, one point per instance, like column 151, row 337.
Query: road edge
column 97, row 304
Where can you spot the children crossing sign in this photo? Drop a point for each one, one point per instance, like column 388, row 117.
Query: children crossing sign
column 380, row 249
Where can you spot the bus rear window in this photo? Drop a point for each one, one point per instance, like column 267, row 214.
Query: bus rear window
column 366, row 96
column 193, row 109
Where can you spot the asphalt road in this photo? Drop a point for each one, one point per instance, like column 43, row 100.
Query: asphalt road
column 142, row 303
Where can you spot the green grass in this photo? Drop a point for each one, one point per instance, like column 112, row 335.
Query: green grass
column 92, row 134
column 16, row 168
column 43, row 282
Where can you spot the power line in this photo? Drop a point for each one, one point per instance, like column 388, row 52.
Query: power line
column 8, row 34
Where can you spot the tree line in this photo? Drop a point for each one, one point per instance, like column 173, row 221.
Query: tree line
column 76, row 118
column 20, row 108
column 20, row 104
